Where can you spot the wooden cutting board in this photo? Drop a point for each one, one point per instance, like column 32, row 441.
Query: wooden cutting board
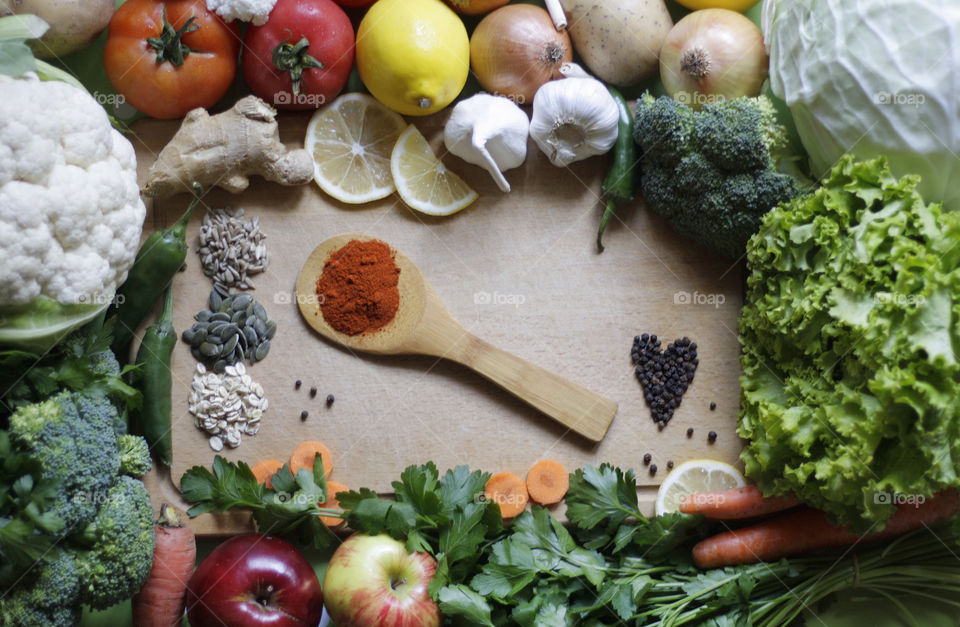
column 520, row 270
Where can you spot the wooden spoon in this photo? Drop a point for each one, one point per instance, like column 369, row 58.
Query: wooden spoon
column 424, row 326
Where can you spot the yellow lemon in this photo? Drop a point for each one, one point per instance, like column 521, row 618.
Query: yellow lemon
column 413, row 55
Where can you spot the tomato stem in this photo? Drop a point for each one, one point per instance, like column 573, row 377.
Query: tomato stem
column 293, row 58
column 169, row 44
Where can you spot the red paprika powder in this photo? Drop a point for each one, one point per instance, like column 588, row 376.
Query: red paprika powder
column 358, row 287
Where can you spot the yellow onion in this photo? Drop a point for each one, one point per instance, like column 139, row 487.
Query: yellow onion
column 712, row 55
column 516, row 49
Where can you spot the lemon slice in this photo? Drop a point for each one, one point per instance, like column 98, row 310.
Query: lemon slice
column 423, row 182
column 351, row 141
column 697, row 475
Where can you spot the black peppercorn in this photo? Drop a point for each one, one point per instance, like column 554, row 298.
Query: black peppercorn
column 646, row 459
column 712, row 436
column 303, row 415
column 670, row 464
column 313, row 392
column 298, row 384
column 713, row 406
column 664, row 375
column 653, row 469
column 330, row 400
column 690, row 432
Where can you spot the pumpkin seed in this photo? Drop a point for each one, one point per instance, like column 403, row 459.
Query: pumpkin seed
column 230, row 344
column 271, row 329
column 209, row 350
column 203, row 316
column 262, row 350
column 215, row 300
column 259, row 311
column 220, row 317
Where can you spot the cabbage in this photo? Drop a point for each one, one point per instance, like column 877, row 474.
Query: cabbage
column 850, row 394
column 872, row 77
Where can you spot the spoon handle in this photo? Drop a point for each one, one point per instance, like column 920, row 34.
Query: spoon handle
column 570, row 404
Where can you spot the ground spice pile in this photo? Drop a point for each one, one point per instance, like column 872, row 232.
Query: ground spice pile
column 358, row 287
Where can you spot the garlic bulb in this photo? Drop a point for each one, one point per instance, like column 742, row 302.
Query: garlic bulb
column 489, row 131
column 574, row 117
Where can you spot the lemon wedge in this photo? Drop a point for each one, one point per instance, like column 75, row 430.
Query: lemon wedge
column 351, row 141
column 697, row 475
column 422, row 181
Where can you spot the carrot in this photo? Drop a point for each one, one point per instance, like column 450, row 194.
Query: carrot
column 305, row 453
column 508, row 491
column 332, row 488
column 265, row 470
column 547, row 482
column 746, row 502
column 808, row 529
column 160, row 602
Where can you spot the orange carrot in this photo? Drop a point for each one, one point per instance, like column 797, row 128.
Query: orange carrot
column 808, row 529
column 332, row 488
column 160, row 602
column 547, row 482
column 265, row 470
column 508, row 491
column 305, row 453
column 746, row 502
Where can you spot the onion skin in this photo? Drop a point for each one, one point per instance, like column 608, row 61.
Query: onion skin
column 712, row 55
column 475, row 7
column 516, row 49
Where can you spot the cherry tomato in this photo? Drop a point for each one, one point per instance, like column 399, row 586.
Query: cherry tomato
column 301, row 58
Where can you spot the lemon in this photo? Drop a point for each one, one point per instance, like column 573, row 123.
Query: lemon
column 351, row 141
column 698, row 475
column 423, row 182
column 413, row 55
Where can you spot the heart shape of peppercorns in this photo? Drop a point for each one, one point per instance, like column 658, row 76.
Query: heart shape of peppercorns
column 664, row 375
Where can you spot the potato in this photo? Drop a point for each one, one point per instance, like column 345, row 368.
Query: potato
column 74, row 24
column 618, row 40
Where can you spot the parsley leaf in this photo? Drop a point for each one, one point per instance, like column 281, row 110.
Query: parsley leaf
column 461, row 601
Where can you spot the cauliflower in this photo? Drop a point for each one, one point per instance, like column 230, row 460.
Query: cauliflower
column 70, row 208
column 256, row 11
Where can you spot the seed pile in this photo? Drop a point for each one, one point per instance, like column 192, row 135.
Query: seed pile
column 226, row 406
column 664, row 375
column 233, row 328
column 231, row 248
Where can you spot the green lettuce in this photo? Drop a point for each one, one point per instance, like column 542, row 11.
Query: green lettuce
column 850, row 394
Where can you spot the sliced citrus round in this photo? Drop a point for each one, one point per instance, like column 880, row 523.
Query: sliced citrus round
column 423, row 182
column 351, row 140
column 697, row 475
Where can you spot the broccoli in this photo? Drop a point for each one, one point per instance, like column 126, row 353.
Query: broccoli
column 712, row 173
column 51, row 599
column 72, row 437
column 134, row 456
column 120, row 545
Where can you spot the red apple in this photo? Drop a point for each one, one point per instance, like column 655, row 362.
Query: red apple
column 254, row 579
column 372, row 581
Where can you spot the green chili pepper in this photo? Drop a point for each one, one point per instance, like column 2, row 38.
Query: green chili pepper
column 157, row 261
column 153, row 361
column 621, row 180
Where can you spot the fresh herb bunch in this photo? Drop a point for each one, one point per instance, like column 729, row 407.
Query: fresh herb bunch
column 612, row 566
column 288, row 508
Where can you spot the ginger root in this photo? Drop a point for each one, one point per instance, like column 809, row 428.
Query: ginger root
column 223, row 150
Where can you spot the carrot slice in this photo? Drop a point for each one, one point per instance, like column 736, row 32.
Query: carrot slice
column 508, row 491
column 547, row 482
column 265, row 470
column 735, row 504
column 332, row 488
column 305, row 453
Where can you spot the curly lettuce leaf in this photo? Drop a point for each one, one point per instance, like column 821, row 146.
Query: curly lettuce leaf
column 850, row 339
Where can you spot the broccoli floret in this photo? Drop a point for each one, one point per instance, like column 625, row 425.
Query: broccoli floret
column 50, row 600
column 134, row 456
column 712, row 173
column 72, row 437
column 120, row 545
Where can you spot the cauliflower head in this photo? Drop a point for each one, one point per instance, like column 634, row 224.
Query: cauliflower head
column 255, row 11
column 70, row 209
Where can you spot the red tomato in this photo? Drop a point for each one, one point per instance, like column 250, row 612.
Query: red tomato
column 280, row 58
column 164, row 67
